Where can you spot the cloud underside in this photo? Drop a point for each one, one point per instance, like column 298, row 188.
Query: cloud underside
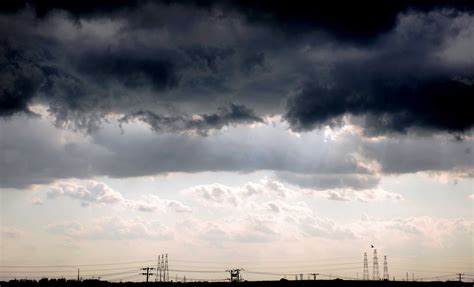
column 190, row 67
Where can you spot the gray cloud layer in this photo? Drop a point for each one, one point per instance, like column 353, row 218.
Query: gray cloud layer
column 34, row 152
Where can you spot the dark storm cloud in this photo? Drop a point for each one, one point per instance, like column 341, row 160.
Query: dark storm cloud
column 390, row 105
column 348, row 21
column 202, row 124
column 131, row 70
column 396, row 66
column 353, row 21
column 169, row 67
column 74, row 7
column 403, row 84
column 20, row 80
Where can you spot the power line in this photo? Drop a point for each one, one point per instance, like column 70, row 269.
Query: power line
column 73, row 266
column 66, row 271
column 250, row 261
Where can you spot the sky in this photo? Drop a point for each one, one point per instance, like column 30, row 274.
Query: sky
column 278, row 138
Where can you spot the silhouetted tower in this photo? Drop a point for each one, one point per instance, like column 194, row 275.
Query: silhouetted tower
column 375, row 267
column 162, row 265
column 365, row 275
column 385, row 268
column 235, row 275
column 158, row 270
column 314, row 275
column 147, row 273
column 167, row 270
column 163, row 268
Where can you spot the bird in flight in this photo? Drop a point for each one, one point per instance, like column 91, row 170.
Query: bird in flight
column 372, row 246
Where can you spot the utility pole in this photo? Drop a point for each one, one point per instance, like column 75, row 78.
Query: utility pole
column 147, row 273
column 314, row 275
column 78, row 278
column 460, row 276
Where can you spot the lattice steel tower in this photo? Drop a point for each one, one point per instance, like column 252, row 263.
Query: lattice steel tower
column 158, row 270
column 366, row 268
column 167, row 270
column 375, row 267
column 385, row 268
column 162, row 268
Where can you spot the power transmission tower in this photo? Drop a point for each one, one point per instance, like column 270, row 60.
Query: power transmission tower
column 365, row 275
column 235, row 275
column 162, row 274
column 147, row 273
column 158, row 270
column 375, row 267
column 166, row 268
column 460, row 276
column 385, row 269
column 314, row 275
column 162, row 266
